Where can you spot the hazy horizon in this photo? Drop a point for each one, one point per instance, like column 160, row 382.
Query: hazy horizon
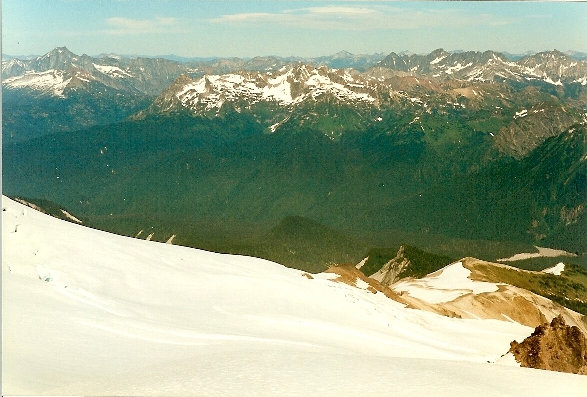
column 212, row 57
column 210, row 29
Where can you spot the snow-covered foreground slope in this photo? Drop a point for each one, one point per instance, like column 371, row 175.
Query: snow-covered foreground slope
column 90, row 313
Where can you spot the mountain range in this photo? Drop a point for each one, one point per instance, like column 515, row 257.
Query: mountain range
column 62, row 91
column 446, row 151
column 303, row 220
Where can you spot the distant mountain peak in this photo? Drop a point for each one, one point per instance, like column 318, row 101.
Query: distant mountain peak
column 438, row 51
column 59, row 52
column 553, row 67
column 62, row 49
column 343, row 54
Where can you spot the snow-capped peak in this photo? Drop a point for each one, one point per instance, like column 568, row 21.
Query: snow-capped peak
column 285, row 87
column 552, row 67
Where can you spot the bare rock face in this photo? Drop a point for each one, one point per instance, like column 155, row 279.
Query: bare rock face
column 531, row 128
column 389, row 273
column 555, row 346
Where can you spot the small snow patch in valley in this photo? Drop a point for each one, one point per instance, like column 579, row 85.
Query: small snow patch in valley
column 542, row 252
column 551, row 81
column 556, row 269
column 521, row 114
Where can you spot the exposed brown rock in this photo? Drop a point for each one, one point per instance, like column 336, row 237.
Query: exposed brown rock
column 555, row 346
column 527, row 132
column 349, row 274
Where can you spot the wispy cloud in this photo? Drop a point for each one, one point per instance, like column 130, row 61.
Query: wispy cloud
column 129, row 26
column 363, row 18
column 339, row 11
column 251, row 17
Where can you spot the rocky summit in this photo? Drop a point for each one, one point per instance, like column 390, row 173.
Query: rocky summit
column 555, row 346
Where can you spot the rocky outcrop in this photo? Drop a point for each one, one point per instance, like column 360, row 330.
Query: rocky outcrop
column 389, row 273
column 350, row 275
column 555, row 346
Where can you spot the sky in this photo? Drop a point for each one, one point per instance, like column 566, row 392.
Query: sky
column 247, row 28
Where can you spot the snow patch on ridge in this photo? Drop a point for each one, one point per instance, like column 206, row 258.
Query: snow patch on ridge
column 113, row 71
column 437, row 59
column 445, row 285
column 457, row 67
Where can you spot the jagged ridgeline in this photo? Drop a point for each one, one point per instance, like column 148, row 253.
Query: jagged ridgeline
column 460, row 154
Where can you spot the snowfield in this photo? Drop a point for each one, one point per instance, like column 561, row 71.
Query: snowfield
column 90, row 313
column 444, row 285
column 51, row 80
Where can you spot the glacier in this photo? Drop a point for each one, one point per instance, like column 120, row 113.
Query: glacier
column 87, row 312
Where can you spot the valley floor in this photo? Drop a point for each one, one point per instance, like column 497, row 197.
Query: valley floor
column 91, row 313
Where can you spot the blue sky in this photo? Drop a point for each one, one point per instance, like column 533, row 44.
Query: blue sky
column 193, row 28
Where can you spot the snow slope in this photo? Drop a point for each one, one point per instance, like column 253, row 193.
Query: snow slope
column 445, row 285
column 52, row 81
column 91, row 313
